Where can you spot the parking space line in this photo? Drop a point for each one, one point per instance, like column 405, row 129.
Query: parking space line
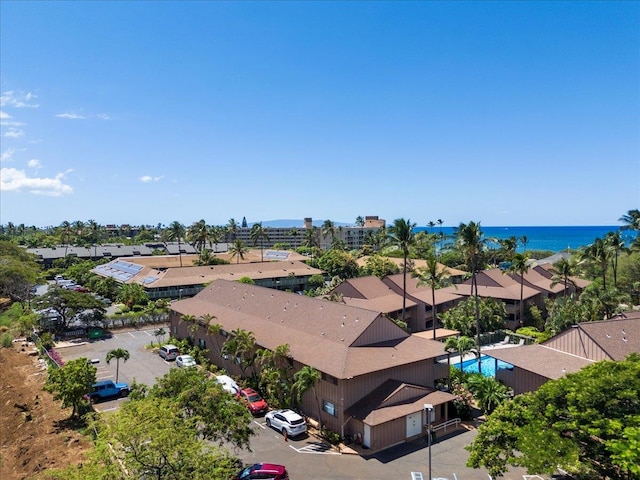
column 261, row 425
column 145, row 331
column 131, row 334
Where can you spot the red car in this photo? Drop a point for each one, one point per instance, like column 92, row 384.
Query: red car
column 264, row 470
column 255, row 403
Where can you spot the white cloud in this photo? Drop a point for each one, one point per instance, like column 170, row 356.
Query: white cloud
column 103, row 116
column 34, row 163
column 72, row 116
column 149, row 178
column 4, row 116
column 14, row 133
column 14, row 180
column 18, row 100
column 7, row 155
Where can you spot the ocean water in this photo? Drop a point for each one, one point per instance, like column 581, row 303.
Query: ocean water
column 555, row 239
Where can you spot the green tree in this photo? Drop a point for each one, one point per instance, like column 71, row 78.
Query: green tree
column 463, row 317
column 164, row 446
column 132, row 294
column 159, row 334
column 176, row 233
column 118, row 354
column 520, row 266
column 18, row 272
column 69, row 303
column 582, row 423
column 401, row 234
column 71, row 383
column 470, row 241
column 328, row 229
column 434, row 277
column 258, row 234
column 198, row 235
column 563, row 270
column 211, row 412
column 379, row 266
column 338, row 263
column 306, row 379
column 238, row 250
column 240, row 345
column 462, row 345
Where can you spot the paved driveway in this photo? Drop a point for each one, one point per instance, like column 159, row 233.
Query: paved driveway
column 143, row 365
column 307, row 458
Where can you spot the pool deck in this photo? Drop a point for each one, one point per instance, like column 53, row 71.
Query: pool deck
column 485, row 349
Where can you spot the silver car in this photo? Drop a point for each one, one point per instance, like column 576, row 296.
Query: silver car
column 286, row 421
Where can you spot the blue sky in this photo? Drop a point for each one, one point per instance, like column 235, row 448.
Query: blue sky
column 507, row 113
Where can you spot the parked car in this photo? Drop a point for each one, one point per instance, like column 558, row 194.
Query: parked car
column 184, row 361
column 228, row 384
column 106, row 389
column 263, row 470
column 169, row 352
column 286, row 421
column 254, row 401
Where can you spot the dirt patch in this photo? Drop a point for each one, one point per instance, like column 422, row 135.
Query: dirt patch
column 35, row 434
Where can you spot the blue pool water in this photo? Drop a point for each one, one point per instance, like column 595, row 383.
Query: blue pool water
column 488, row 366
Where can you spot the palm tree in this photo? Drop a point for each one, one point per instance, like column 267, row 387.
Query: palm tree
column 310, row 239
column 562, row 272
column 329, row 230
column 177, row 232
column 259, row 234
column 434, row 277
column 94, row 235
column 631, row 220
column 118, row 353
column 524, row 239
column 431, row 224
column 304, row 379
column 360, row 221
column 616, row 246
column 471, row 243
column 78, row 228
column 66, row 234
column 599, row 253
column 295, row 233
column 238, row 250
column 240, row 345
column 520, row 265
column 232, row 228
column 462, row 345
column 401, row 233
column 199, row 235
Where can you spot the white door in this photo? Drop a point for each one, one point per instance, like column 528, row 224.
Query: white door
column 366, row 441
column 414, row 426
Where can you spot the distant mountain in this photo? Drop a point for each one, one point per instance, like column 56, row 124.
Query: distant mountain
column 295, row 223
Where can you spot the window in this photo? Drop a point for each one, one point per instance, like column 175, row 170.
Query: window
column 330, row 408
column 202, row 343
column 329, row 378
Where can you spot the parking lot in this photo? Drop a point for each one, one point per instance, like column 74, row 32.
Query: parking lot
column 306, row 457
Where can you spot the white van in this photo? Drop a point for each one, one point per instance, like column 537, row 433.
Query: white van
column 228, row 384
column 168, row 352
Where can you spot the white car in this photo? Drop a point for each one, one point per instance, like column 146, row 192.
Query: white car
column 184, row 361
column 228, row 384
column 286, row 421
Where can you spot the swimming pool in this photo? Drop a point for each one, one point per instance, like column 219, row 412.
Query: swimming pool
column 488, row 366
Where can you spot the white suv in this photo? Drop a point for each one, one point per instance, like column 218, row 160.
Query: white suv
column 168, row 352
column 286, row 421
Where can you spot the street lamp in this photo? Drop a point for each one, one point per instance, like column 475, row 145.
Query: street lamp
column 180, row 294
column 428, row 408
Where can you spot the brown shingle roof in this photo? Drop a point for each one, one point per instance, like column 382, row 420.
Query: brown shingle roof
column 544, row 361
column 394, row 399
column 319, row 332
column 618, row 337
